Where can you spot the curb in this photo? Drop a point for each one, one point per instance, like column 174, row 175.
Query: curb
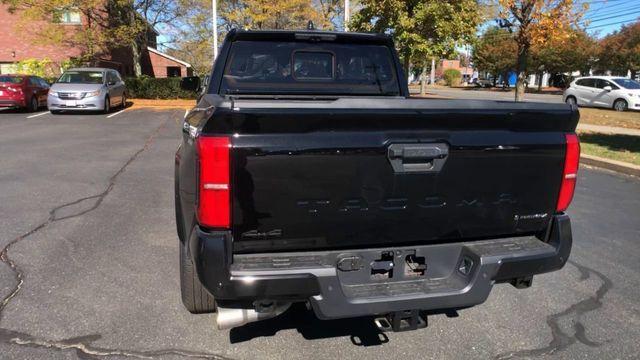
column 618, row 166
column 162, row 104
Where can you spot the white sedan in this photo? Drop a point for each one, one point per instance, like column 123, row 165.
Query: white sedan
column 612, row 92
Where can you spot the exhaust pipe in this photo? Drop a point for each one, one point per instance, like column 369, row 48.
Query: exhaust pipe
column 227, row 318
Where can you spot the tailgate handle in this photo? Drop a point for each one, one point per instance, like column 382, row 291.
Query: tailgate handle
column 417, row 158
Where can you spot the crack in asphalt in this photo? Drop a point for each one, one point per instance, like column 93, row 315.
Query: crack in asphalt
column 81, row 344
column 560, row 339
column 84, row 349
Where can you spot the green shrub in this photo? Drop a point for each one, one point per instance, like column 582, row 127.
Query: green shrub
column 452, row 77
column 39, row 67
column 145, row 87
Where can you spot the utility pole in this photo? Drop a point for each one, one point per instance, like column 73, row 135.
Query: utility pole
column 467, row 61
column 214, row 5
column 346, row 15
column 433, row 71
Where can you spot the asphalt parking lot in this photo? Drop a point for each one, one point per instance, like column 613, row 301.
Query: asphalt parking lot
column 91, row 270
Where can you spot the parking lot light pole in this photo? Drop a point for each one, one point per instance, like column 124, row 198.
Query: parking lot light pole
column 433, row 71
column 346, row 15
column 214, row 5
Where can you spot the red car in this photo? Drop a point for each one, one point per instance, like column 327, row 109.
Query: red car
column 23, row 91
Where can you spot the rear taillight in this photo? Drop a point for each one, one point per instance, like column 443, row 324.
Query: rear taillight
column 214, row 188
column 570, row 173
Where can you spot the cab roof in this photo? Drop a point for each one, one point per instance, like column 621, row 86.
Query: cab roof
column 309, row 35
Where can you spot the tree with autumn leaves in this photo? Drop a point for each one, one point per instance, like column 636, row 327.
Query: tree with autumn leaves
column 495, row 52
column 536, row 23
column 620, row 51
column 575, row 52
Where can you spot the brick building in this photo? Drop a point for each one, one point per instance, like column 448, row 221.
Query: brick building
column 445, row 64
column 19, row 45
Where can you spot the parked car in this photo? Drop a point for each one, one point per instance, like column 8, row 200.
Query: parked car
column 302, row 179
column 604, row 91
column 23, row 91
column 483, row 83
column 88, row 89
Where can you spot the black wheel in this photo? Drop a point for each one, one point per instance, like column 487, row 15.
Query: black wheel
column 33, row 104
column 107, row 105
column 571, row 101
column 194, row 296
column 620, row 105
column 123, row 105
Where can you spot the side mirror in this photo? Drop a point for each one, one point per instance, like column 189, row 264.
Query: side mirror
column 607, row 88
column 190, row 83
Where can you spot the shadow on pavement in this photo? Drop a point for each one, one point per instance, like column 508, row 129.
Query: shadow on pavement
column 362, row 331
column 18, row 111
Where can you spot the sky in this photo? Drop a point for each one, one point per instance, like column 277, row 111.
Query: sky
column 606, row 16
column 602, row 18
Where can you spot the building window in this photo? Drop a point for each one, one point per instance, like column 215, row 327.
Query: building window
column 68, row 17
column 173, row 71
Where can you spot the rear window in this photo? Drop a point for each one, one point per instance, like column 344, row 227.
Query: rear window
column 290, row 68
column 11, row 79
column 627, row 83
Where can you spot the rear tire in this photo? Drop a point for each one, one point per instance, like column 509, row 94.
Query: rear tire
column 194, row 296
column 571, row 101
column 123, row 105
column 620, row 105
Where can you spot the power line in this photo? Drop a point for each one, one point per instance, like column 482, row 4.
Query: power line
column 607, row 5
column 609, row 11
column 600, row 1
column 614, row 23
column 508, row 35
column 613, row 17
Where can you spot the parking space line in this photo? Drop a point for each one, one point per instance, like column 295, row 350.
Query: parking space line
column 116, row 113
column 186, row 111
column 36, row 115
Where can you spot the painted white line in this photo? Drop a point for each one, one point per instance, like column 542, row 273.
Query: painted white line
column 116, row 113
column 185, row 113
column 36, row 115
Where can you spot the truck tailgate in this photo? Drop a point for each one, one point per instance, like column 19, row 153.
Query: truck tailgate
column 366, row 173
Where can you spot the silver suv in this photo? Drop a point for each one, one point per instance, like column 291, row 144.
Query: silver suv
column 93, row 89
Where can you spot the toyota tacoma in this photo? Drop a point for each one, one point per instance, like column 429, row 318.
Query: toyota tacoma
column 307, row 173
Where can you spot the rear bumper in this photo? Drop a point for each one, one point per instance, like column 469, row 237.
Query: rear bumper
column 347, row 291
column 12, row 103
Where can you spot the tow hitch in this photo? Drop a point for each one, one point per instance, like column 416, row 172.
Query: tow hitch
column 401, row 321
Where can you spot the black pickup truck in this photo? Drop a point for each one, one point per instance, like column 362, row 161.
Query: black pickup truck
column 307, row 174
